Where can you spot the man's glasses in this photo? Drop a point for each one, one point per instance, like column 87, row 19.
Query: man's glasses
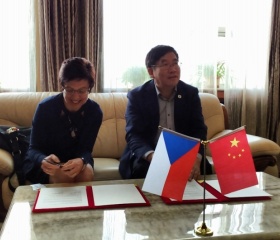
column 167, row 66
column 80, row 91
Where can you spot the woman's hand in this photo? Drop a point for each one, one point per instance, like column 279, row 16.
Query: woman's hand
column 51, row 164
column 73, row 167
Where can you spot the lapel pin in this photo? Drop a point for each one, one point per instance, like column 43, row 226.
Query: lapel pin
column 179, row 96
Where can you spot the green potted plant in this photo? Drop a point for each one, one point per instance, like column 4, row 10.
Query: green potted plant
column 135, row 76
column 220, row 72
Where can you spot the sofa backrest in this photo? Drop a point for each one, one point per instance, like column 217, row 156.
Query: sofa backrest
column 111, row 141
column 213, row 114
column 17, row 109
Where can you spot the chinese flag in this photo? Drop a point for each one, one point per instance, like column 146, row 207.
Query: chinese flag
column 233, row 161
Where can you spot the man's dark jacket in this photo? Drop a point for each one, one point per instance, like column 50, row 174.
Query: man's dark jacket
column 142, row 122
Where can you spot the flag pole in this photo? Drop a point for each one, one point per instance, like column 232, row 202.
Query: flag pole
column 203, row 230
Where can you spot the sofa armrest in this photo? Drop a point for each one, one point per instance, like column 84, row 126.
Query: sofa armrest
column 6, row 163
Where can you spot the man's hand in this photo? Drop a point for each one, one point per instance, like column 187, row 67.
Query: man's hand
column 150, row 157
column 195, row 172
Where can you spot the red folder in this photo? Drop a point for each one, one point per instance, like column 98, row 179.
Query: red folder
column 219, row 197
column 91, row 205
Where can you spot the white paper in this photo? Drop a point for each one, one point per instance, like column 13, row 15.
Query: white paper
column 116, row 194
column 194, row 191
column 36, row 187
column 62, row 197
column 253, row 191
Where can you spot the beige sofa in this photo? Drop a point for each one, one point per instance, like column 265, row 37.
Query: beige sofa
column 17, row 109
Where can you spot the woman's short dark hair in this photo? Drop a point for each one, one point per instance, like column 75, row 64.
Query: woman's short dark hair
column 157, row 52
column 77, row 68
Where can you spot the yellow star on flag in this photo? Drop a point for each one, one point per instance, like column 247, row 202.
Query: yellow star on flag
column 234, row 142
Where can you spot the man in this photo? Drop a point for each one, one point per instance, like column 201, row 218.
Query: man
column 163, row 101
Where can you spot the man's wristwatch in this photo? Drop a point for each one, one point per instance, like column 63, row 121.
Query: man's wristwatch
column 84, row 164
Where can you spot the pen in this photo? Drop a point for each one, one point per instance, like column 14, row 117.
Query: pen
column 54, row 163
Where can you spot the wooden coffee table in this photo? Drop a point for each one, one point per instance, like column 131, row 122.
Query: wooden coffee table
column 240, row 220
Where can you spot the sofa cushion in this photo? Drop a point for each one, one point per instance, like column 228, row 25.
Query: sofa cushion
column 106, row 169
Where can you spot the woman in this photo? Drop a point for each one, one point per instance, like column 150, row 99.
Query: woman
column 64, row 129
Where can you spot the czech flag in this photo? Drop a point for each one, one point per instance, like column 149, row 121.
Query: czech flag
column 233, row 161
column 171, row 165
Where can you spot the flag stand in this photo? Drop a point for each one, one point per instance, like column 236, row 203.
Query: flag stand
column 203, row 230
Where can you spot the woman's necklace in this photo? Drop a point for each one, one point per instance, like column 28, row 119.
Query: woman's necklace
column 73, row 129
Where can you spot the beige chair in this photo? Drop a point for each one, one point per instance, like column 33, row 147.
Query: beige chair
column 264, row 151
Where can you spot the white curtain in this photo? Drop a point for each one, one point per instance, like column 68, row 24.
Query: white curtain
column 247, row 38
column 17, row 46
column 133, row 27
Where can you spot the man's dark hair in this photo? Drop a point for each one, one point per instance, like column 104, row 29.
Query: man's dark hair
column 76, row 68
column 157, row 52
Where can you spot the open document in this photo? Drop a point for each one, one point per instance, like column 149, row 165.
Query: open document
column 194, row 193
column 89, row 197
